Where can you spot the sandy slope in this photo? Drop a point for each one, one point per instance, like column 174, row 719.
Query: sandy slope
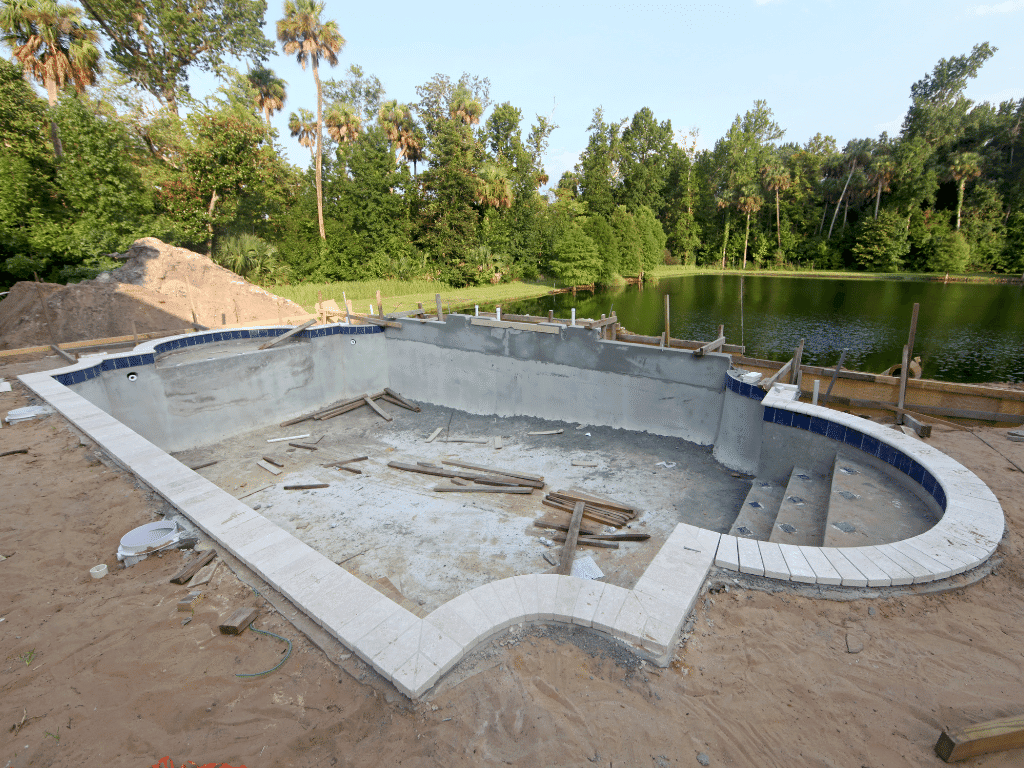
column 764, row 680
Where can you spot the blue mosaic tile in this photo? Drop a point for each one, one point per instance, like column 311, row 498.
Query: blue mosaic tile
column 836, row 432
column 769, row 414
column 928, row 482
column 853, row 438
column 819, row 426
column 916, row 472
column 903, row 462
column 801, row 421
column 785, row 418
column 869, row 445
column 886, row 453
column 940, row 496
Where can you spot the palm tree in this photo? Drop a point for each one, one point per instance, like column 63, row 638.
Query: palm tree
column 777, row 179
column 53, row 46
column 882, row 172
column 343, row 123
column 749, row 202
column 464, row 106
column 302, row 32
column 270, row 91
column 493, row 188
column 392, row 115
column 963, row 167
column 303, row 128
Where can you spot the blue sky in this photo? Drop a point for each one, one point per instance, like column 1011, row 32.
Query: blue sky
column 841, row 68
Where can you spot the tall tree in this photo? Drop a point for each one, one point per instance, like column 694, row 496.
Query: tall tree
column 643, row 161
column 53, row 46
column 156, row 42
column 964, row 167
column 598, row 168
column 343, row 123
column 270, row 91
column 305, row 34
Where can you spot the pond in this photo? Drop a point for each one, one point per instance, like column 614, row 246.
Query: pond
column 966, row 332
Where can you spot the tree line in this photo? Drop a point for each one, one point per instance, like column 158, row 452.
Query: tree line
column 449, row 187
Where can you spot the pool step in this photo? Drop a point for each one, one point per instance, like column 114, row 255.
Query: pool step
column 866, row 507
column 757, row 515
column 801, row 518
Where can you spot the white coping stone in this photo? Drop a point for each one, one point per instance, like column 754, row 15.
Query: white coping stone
column 918, row 571
column 469, row 612
column 440, row 647
column 898, row 575
column 492, row 606
column 508, row 593
column 662, row 623
column 958, row 547
column 649, row 586
column 527, row 586
column 938, row 570
column 287, row 576
column 824, row 571
column 774, row 563
column 351, row 631
column 566, row 592
column 983, row 517
column 587, row 600
column 326, row 607
column 448, row 620
column 376, row 641
column 728, row 555
column 848, row 572
column 547, row 588
column 608, row 607
column 799, row 569
column 416, row 675
column 271, row 541
column 966, row 530
column 313, row 580
column 941, row 552
column 394, row 654
column 875, row 575
column 630, row 621
column 277, row 558
column 750, row 556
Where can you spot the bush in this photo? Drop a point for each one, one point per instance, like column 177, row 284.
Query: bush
column 253, row 258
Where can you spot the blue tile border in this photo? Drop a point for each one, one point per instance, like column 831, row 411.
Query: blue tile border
column 752, row 391
column 856, row 439
column 149, row 358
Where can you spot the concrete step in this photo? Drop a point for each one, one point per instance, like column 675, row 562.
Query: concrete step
column 801, row 518
column 867, row 506
column 758, row 512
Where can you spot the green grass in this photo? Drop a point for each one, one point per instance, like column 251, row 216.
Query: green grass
column 681, row 269
column 399, row 295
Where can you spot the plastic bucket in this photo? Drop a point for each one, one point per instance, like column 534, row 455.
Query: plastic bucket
column 98, row 571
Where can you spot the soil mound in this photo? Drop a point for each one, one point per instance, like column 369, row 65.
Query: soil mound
column 158, row 288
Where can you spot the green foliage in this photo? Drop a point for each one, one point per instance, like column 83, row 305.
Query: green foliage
column 652, row 238
column 601, row 233
column 882, row 243
column 630, row 240
column 576, row 258
column 251, row 257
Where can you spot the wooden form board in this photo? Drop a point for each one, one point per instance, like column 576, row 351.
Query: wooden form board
column 538, row 327
column 238, row 621
column 992, row 736
column 192, row 568
column 289, row 334
column 569, row 550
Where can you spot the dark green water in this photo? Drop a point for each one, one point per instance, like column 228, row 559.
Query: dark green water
column 965, row 332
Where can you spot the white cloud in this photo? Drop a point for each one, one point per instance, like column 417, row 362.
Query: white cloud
column 1008, row 7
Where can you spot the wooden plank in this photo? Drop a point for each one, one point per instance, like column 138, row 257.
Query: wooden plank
column 552, row 525
column 633, row 338
column 11, row 453
column 908, row 355
column 305, row 486
column 425, row 468
column 238, row 621
column 920, row 428
column 286, row 439
column 547, row 432
column 710, row 347
column 349, row 461
column 62, row 353
column 380, row 411
column 796, row 373
column 251, row 493
column 440, row 311
column 620, row 536
column 273, row 461
column 399, row 400
column 493, row 470
column 483, row 489
column 192, row 568
column 983, row 738
column 586, row 541
column 933, row 411
column 305, row 446
column 569, row 550
column 375, row 320
column 835, row 375
column 584, row 463
column 668, row 330
column 340, row 410
column 270, row 468
column 767, row 384
column 289, row 334
column 591, row 513
column 203, row 465
column 901, row 397
column 434, row 434
column 485, row 321
column 347, row 468
column 459, row 481
column 581, row 494
column 476, row 440
column 328, row 409
column 110, row 341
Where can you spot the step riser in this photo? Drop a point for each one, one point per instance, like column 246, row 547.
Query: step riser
column 801, row 518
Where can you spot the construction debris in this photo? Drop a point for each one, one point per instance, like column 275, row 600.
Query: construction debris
column 238, row 621
column 191, row 569
column 595, row 508
column 434, row 434
column 1016, row 435
column 263, row 464
column 547, row 432
column 305, row 486
column 569, row 550
column 993, row 736
column 11, row 453
column 286, row 439
column 490, row 489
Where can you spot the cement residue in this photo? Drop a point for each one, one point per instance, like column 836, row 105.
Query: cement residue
column 157, row 288
column 387, row 523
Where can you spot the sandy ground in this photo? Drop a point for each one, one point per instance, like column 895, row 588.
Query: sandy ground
column 105, row 673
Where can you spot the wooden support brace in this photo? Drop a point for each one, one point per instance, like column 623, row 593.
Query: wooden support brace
column 284, row 336
column 710, row 347
column 569, row 550
column 993, row 736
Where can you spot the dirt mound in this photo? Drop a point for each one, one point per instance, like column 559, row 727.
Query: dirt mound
column 158, row 288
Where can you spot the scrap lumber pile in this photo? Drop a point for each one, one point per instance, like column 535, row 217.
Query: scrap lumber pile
column 482, row 479
column 595, row 508
column 344, row 406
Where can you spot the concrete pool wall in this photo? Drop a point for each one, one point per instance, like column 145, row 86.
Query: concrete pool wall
column 505, row 369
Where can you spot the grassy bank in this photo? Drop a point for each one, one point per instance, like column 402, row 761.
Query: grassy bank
column 680, row 270
column 398, row 295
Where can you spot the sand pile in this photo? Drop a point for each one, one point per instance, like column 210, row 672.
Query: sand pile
column 159, row 287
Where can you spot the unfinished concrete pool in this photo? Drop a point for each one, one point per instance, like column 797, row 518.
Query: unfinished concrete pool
column 715, row 470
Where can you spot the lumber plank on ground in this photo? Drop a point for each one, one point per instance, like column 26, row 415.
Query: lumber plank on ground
column 401, row 400
column 305, row 486
column 600, row 500
column 586, row 541
column 547, row 432
column 633, row 338
column 424, row 468
column 345, row 467
column 493, row 470
column 271, row 460
column 569, row 550
column 289, row 334
column 593, row 513
column 552, row 525
column 380, row 411
column 306, row 446
column 238, row 621
column 203, row 465
column 11, row 453
column 478, row 440
column 269, row 467
column 619, row 536
column 62, row 353
column 992, row 736
column 710, row 347
column 192, row 568
column 377, row 321
column 434, row 434
column 919, row 427
column 483, row 489
column 584, row 463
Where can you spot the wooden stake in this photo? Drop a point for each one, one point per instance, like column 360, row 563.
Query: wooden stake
column 380, row 305
column 569, row 550
column 297, row 329
column 192, row 306
column 135, row 334
column 908, row 356
column 46, row 311
column 380, row 411
column 795, row 374
column 440, row 314
column 980, row 739
column 835, row 375
column 668, row 334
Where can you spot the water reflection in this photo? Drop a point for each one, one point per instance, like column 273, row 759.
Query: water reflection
column 966, row 332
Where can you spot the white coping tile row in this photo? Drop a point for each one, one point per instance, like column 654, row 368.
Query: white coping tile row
column 413, row 653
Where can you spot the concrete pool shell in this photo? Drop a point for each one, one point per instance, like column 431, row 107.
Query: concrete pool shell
column 139, row 406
